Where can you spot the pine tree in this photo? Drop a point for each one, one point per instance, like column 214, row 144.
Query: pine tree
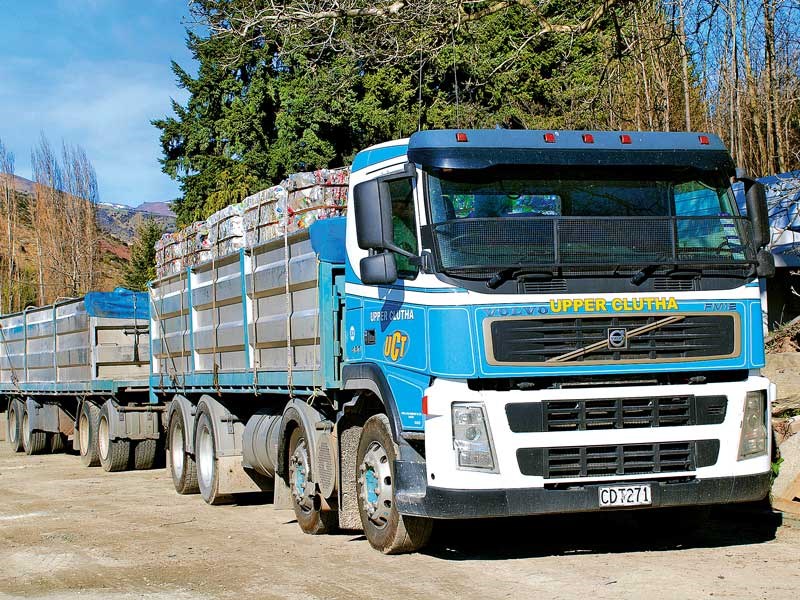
column 142, row 266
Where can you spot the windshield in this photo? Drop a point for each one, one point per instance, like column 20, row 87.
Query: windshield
column 502, row 219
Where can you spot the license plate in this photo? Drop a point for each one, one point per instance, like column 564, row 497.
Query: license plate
column 625, row 495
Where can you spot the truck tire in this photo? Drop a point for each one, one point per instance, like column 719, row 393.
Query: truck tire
column 385, row 529
column 56, row 442
column 14, row 431
column 88, row 421
column 33, row 442
column 114, row 454
column 182, row 466
column 305, row 500
column 205, row 452
column 144, row 454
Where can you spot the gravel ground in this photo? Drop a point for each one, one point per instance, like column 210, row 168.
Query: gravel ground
column 68, row 531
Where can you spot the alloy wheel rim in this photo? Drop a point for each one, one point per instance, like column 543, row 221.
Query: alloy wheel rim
column 205, row 456
column 12, row 426
column 299, row 477
column 102, row 438
column 375, row 485
column 176, row 450
column 83, row 438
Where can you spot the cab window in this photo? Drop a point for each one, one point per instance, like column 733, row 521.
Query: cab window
column 405, row 225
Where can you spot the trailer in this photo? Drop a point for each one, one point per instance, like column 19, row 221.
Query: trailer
column 505, row 323
column 79, row 369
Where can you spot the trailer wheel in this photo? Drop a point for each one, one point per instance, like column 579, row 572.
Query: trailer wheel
column 144, row 454
column 114, row 454
column 385, row 528
column 56, row 442
column 181, row 465
column 14, row 424
column 205, row 451
column 305, row 500
column 34, row 442
column 88, row 422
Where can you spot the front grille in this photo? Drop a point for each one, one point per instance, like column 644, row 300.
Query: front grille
column 569, row 340
column 615, row 413
column 616, row 460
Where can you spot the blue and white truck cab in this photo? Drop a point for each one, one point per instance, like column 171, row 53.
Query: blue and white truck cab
column 557, row 322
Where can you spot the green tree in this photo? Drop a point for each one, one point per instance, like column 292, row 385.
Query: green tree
column 142, row 265
column 276, row 96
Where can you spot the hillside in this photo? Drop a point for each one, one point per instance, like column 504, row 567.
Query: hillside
column 121, row 221
column 117, row 224
column 118, row 220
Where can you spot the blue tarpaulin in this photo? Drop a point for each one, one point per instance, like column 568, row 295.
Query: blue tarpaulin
column 328, row 239
column 783, row 205
column 119, row 304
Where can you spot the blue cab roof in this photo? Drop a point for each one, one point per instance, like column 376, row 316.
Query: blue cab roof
column 485, row 148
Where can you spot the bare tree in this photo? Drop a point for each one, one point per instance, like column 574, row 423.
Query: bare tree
column 10, row 196
column 383, row 30
column 64, row 221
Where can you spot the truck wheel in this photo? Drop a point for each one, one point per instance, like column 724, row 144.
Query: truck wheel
column 87, row 434
column 144, row 454
column 385, row 528
column 33, row 442
column 181, row 465
column 205, row 451
column 114, row 454
column 14, row 417
column 56, row 442
column 305, row 500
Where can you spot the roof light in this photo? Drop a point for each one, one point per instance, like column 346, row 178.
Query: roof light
column 461, row 137
column 588, row 138
column 704, row 140
column 625, row 138
column 550, row 137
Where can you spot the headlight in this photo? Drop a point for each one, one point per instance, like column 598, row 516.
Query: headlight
column 472, row 439
column 753, row 441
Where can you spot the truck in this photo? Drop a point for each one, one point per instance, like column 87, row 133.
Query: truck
column 504, row 323
column 80, row 368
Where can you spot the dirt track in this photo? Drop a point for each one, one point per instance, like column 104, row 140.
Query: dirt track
column 68, row 531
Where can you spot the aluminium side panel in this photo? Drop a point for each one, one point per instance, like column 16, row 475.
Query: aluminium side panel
column 12, row 351
column 218, row 316
column 170, row 330
column 73, row 360
column 40, row 347
column 120, row 349
column 269, row 328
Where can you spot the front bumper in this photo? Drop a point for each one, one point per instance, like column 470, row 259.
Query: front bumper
column 440, row 503
column 437, row 488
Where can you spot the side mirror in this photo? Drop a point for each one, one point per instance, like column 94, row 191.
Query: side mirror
column 379, row 269
column 373, row 212
column 756, row 198
column 766, row 264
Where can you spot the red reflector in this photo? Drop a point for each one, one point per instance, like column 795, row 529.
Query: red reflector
column 704, row 140
column 424, row 405
column 625, row 138
column 588, row 138
column 461, row 137
column 550, row 137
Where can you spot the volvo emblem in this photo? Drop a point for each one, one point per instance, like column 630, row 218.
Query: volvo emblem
column 617, row 339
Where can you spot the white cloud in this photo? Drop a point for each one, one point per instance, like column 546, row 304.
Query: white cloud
column 104, row 106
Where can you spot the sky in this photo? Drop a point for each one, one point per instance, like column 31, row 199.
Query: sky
column 94, row 73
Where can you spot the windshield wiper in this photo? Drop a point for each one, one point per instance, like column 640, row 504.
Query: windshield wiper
column 499, row 278
column 647, row 271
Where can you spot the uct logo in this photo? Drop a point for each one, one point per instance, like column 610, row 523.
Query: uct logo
column 395, row 346
column 617, row 338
